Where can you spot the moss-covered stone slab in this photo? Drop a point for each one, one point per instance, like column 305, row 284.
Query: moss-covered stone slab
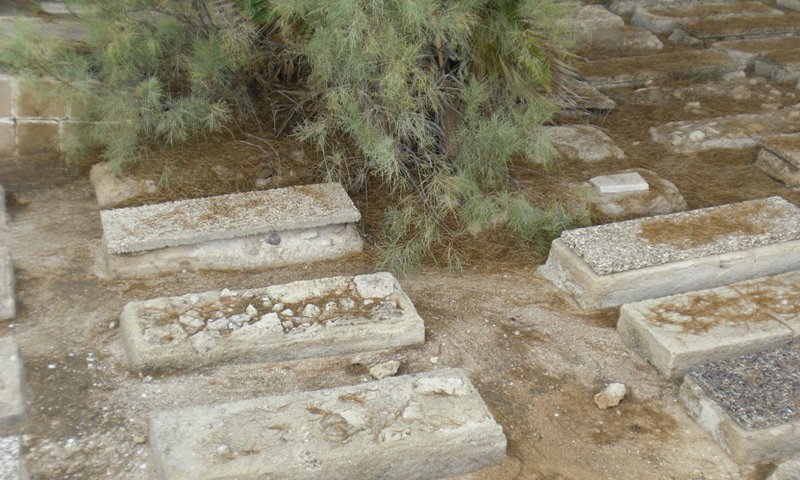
column 425, row 426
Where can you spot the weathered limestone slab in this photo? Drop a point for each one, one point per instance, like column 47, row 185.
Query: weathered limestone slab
column 704, row 32
column 779, row 158
column 619, row 42
column 623, row 262
column 12, row 399
column 620, row 183
column 666, row 19
column 314, row 318
column 643, row 69
column 11, row 467
column 749, row 50
column 250, row 230
column 780, row 65
column 425, row 426
column 748, row 404
column 593, row 17
column 679, row 332
column 584, row 142
column 660, row 197
column 111, row 190
column 8, row 304
column 734, row 131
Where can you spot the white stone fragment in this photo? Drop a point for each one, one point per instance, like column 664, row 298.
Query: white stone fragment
column 620, row 183
column 385, row 369
column 311, row 311
column 611, row 396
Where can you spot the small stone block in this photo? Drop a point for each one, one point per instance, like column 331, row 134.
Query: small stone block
column 620, row 183
column 666, row 19
column 8, row 304
column 305, row 319
column 624, row 262
column 749, row 404
column 111, row 191
column 425, row 426
column 679, row 332
column 12, row 400
column 36, row 137
column 11, row 467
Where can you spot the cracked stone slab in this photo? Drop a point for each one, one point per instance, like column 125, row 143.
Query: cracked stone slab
column 12, row 399
column 618, row 42
column 779, row 157
column 8, row 304
column 642, row 70
column 733, row 131
column 702, row 32
column 624, row 262
column 424, row 426
column 665, row 19
column 679, row 332
column 748, row 404
column 782, row 66
column 584, row 142
column 11, row 467
column 749, row 50
column 304, row 319
column 190, row 222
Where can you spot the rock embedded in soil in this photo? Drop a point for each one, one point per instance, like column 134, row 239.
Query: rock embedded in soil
column 584, row 142
column 594, row 17
column 618, row 42
column 680, row 332
column 240, row 327
column 748, row 404
column 782, row 66
column 385, row 369
column 111, row 191
column 633, row 260
column 749, row 50
column 661, row 197
column 8, row 303
column 779, row 158
column 611, row 396
column 666, row 19
column 425, row 426
column 12, row 397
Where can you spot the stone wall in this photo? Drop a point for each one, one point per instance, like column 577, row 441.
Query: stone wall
column 28, row 123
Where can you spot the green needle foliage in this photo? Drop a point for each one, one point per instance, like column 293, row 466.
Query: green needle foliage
column 157, row 72
column 434, row 99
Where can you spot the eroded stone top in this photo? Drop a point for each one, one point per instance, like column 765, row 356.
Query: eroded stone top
column 758, row 390
column 785, row 146
column 647, row 242
column 189, row 222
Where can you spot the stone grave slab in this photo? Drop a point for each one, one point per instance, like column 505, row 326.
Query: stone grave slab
column 732, row 132
column 779, row 158
column 305, row 319
column 593, row 17
column 620, row 183
column 749, row 50
column 661, row 197
column 8, row 304
column 583, row 142
column 702, row 32
column 424, row 426
column 780, row 65
column 664, row 19
column 624, row 262
column 12, row 399
column 241, row 231
column 641, row 70
column 11, row 467
column 111, row 191
column 748, row 404
column 618, row 42
column 679, row 332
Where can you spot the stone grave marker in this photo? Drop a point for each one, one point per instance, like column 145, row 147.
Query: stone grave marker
column 652, row 195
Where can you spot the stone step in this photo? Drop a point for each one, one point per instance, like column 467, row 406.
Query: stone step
column 679, row 332
column 424, row 426
column 8, row 304
column 618, row 42
column 703, row 32
column 250, row 230
column 663, row 19
column 779, row 65
column 12, row 399
column 748, row 404
column 749, row 50
column 779, row 157
column 644, row 69
column 11, row 468
column 624, row 262
column 731, row 132
column 305, row 319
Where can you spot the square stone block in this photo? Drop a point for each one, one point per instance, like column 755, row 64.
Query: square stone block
column 36, row 137
column 32, row 104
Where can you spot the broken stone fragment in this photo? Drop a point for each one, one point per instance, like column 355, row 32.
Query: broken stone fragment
column 311, row 311
column 385, row 369
column 611, row 396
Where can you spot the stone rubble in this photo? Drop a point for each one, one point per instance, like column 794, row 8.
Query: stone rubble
column 611, row 396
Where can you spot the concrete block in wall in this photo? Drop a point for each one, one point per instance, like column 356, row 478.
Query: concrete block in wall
column 33, row 103
column 36, row 136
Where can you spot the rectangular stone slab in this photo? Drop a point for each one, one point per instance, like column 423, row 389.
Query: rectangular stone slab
column 8, row 305
column 779, row 65
column 620, row 183
column 749, row 50
column 707, row 31
column 624, row 262
column 730, row 132
column 11, row 467
column 192, row 222
column 679, row 332
column 666, row 19
column 425, row 426
column 748, row 404
column 330, row 316
column 12, row 399
column 640, row 70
